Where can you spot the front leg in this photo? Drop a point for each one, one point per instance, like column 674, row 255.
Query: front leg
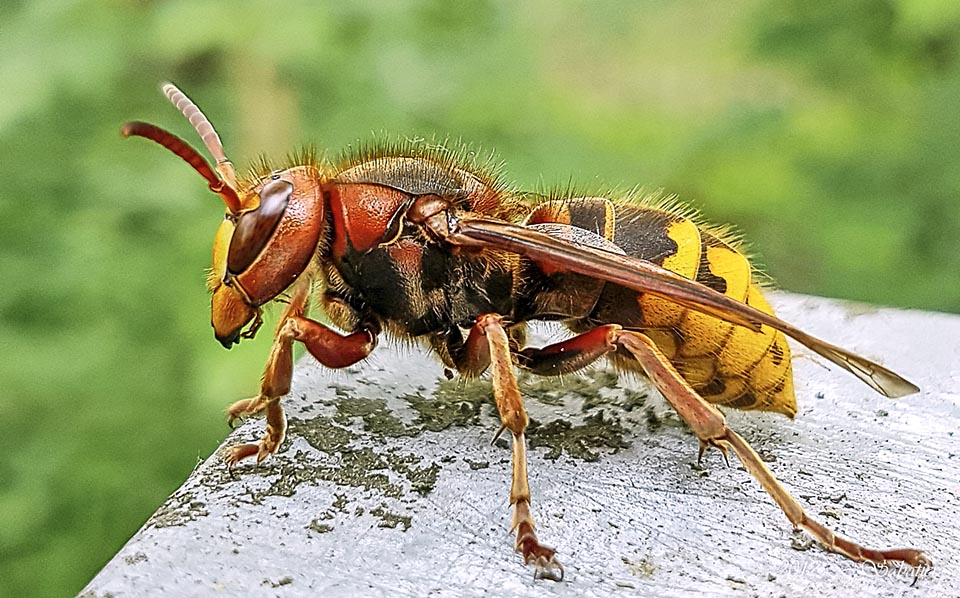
column 274, row 384
column 329, row 348
column 513, row 416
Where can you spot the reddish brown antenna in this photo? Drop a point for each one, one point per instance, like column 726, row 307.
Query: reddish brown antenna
column 226, row 187
column 179, row 147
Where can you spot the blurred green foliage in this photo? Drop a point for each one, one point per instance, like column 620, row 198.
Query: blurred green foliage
column 827, row 132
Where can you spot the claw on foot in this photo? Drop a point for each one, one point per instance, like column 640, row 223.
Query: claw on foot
column 271, row 441
column 547, row 568
column 243, row 408
column 238, row 453
column 545, row 563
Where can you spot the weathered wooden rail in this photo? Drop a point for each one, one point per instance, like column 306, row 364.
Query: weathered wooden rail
column 388, row 485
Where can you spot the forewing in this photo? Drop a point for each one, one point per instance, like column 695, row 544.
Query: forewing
column 647, row 277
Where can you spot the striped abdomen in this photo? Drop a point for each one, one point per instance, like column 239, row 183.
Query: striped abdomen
column 727, row 364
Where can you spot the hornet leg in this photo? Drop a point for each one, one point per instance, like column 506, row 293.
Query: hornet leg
column 709, row 426
column 514, row 418
column 707, row 423
column 327, row 346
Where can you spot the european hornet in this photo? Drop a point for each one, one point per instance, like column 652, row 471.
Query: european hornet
column 420, row 243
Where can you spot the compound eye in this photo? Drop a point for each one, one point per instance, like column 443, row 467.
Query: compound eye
column 254, row 228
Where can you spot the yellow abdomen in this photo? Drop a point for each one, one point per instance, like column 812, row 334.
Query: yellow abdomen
column 727, row 364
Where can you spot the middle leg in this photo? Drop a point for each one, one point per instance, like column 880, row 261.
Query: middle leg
column 329, row 347
column 513, row 416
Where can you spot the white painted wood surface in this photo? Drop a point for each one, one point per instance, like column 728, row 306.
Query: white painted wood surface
column 382, row 506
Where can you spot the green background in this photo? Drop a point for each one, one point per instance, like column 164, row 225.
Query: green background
column 829, row 135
